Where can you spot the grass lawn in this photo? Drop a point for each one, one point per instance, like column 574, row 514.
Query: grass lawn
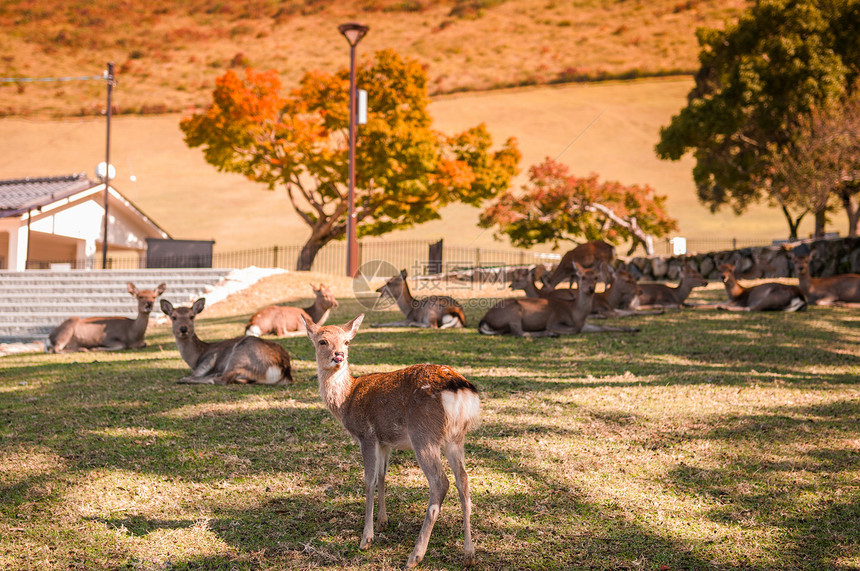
column 709, row 440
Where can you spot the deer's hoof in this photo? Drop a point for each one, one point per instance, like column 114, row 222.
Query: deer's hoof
column 469, row 559
column 365, row 542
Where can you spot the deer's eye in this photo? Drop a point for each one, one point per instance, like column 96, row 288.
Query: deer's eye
column 346, row 343
column 323, row 342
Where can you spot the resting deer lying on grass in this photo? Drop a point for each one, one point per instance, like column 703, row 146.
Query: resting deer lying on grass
column 769, row 296
column 547, row 317
column 614, row 301
column 424, row 407
column 662, row 295
column 280, row 320
column 842, row 289
column 436, row 311
column 240, row 360
column 106, row 333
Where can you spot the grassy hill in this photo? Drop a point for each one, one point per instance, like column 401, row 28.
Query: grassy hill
column 168, row 54
column 609, row 127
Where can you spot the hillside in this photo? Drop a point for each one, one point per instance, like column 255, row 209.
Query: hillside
column 167, row 54
column 608, row 127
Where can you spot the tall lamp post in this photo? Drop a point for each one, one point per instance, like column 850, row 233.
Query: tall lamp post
column 107, row 174
column 353, row 32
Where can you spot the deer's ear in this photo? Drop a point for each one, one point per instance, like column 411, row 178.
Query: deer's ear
column 160, row 289
column 132, row 289
column 311, row 328
column 351, row 328
column 166, row 307
column 403, row 274
column 198, row 306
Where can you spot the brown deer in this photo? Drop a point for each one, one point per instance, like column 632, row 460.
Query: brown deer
column 614, row 301
column 547, row 317
column 106, row 333
column 769, row 296
column 760, row 268
column 436, row 311
column 280, row 320
column 588, row 255
column 662, row 295
column 244, row 359
column 424, row 407
column 841, row 289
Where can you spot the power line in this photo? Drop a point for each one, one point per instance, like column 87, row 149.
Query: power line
column 45, row 79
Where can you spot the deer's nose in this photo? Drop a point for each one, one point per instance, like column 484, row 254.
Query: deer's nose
column 338, row 357
column 183, row 329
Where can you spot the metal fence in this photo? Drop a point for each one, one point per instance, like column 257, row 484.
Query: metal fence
column 413, row 255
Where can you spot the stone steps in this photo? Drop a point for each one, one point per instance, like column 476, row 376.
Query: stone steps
column 34, row 302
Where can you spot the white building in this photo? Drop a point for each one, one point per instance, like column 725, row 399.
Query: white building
column 60, row 220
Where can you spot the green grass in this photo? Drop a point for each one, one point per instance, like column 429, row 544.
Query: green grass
column 709, row 440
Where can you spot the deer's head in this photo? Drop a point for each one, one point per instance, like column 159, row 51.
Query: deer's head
column 394, row 286
column 331, row 342
column 145, row 298
column 324, row 296
column 182, row 318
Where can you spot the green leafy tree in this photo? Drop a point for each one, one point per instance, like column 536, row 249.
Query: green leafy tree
column 825, row 160
column 405, row 170
column 758, row 78
column 556, row 205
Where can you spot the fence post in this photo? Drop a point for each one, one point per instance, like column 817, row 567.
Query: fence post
column 275, row 256
column 734, row 243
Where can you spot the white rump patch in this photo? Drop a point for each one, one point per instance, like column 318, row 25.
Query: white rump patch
column 273, row 375
column 462, row 407
column 448, row 321
column 795, row 304
column 253, row 330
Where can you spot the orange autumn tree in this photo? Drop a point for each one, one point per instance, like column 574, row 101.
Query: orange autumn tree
column 556, row 205
column 405, row 171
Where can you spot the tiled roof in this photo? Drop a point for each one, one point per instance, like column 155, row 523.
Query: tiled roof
column 19, row 194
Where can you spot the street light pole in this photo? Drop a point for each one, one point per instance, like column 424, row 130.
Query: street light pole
column 353, row 32
column 110, row 81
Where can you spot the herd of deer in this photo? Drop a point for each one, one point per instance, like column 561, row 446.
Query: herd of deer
column 430, row 408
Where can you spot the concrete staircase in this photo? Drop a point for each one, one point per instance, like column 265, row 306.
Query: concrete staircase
column 34, row 302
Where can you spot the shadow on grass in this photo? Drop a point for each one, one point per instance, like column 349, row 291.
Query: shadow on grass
column 122, row 412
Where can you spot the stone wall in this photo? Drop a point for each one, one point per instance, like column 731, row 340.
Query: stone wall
column 839, row 256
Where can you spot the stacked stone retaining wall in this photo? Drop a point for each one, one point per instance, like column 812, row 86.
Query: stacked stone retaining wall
column 833, row 256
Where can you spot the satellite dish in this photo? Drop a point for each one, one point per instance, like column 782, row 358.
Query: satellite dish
column 103, row 168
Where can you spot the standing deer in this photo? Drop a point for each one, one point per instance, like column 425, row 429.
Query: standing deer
column 106, row 333
column 840, row 289
column 280, row 320
column 426, row 407
column 436, row 311
column 769, row 296
column 240, row 360
column 588, row 255
column 662, row 295
column 547, row 317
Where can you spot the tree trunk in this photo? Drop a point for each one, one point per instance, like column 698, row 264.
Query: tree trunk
column 820, row 223
column 793, row 224
column 308, row 254
column 847, row 193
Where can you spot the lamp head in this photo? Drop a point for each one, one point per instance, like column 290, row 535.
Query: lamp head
column 353, row 32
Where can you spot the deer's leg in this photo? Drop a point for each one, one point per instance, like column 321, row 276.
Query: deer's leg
column 590, row 328
column 381, row 470
column 370, row 454
column 195, row 380
column 431, row 465
column 455, row 454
